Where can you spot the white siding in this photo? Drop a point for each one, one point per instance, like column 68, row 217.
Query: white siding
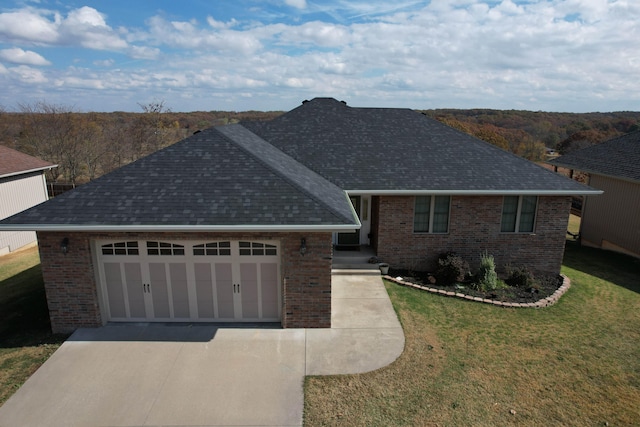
column 18, row 193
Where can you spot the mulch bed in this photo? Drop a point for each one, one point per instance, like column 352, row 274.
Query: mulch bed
column 544, row 288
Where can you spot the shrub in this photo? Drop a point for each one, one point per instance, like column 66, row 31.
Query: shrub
column 451, row 269
column 487, row 276
column 520, row 277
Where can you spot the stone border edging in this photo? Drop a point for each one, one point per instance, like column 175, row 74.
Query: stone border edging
column 545, row 302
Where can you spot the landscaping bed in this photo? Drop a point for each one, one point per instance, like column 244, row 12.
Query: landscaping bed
column 544, row 287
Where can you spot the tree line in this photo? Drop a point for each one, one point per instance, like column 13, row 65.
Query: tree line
column 530, row 133
column 88, row 145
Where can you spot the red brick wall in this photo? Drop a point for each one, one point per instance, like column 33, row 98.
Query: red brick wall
column 69, row 282
column 72, row 292
column 474, row 227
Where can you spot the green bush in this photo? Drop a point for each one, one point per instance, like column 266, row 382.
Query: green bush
column 451, row 269
column 487, row 278
column 520, row 277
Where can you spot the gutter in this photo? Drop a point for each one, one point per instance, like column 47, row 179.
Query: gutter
column 180, row 228
column 475, row 192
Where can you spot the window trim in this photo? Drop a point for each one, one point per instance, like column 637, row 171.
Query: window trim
column 519, row 217
column 432, row 205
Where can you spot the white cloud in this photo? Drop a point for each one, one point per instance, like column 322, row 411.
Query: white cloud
column 29, row 25
column 218, row 25
column 189, row 35
column 144, row 52
column 316, row 33
column 25, row 57
column 544, row 54
column 299, row 4
column 82, row 27
column 104, row 62
column 29, row 75
column 89, row 28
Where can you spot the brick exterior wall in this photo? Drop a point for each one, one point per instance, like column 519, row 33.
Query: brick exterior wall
column 474, row 227
column 72, row 290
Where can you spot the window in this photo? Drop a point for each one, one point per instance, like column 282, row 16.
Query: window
column 255, row 248
column 163, row 248
column 431, row 214
column 214, row 248
column 519, row 214
column 120, row 248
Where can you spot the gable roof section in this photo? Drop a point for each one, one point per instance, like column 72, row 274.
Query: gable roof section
column 400, row 151
column 205, row 182
column 14, row 162
column 310, row 182
column 618, row 157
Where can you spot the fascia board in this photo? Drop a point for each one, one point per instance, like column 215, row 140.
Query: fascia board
column 25, row 172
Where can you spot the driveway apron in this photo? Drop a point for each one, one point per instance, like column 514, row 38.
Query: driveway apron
column 203, row 374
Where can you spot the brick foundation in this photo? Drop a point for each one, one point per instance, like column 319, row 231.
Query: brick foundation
column 72, row 290
column 474, row 227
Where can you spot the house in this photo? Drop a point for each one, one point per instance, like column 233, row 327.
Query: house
column 610, row 221
column 239, row 222
column 22, row 185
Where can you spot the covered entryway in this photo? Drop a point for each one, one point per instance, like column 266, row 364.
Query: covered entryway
column 154, row 280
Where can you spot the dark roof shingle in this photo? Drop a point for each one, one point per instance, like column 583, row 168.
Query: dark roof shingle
column 391, row 149
column 206, row 181
column 618, row 157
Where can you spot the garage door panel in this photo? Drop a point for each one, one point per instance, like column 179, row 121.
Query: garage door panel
column 204, row 290
column 179, row 290
column 190, row 280
column 135, row 292
column 115, row 292
column 224, row 290
column 249, row 290
column 269, row 282
column 159, row 291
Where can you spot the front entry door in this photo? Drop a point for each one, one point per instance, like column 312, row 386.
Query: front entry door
column 351, row 238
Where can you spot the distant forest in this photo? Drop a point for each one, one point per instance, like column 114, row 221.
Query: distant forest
column 88, row 145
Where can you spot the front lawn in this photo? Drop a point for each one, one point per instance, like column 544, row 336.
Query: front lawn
column 575, row 363
column 26, row 341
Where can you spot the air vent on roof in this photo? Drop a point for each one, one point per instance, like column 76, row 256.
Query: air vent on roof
column 198, row 131
column 344, row 102
column 305, row 101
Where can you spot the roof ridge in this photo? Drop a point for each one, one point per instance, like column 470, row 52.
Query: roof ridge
column 287, row 167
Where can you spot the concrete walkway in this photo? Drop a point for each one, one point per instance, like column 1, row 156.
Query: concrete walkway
column 206, row 375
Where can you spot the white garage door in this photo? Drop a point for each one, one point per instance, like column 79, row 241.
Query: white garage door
column 229, row 281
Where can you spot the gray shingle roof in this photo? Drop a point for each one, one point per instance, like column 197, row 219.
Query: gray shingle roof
column 618, row 157
column 396, row 150
column 206, row 181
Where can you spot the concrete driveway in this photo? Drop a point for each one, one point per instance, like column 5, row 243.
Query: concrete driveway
column 206, row 375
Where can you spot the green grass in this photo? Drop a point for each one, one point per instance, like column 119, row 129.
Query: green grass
column 467, row 364
column 25, row 334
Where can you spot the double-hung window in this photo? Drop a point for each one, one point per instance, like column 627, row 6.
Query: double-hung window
column 519, row 214
column 431, row 214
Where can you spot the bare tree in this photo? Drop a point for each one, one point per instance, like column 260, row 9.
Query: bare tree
column 48, row 134
column 151, row 131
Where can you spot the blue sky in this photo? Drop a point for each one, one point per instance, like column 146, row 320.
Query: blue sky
column 111, row 55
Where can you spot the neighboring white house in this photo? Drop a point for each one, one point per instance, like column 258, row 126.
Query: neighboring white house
column 22, row 185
